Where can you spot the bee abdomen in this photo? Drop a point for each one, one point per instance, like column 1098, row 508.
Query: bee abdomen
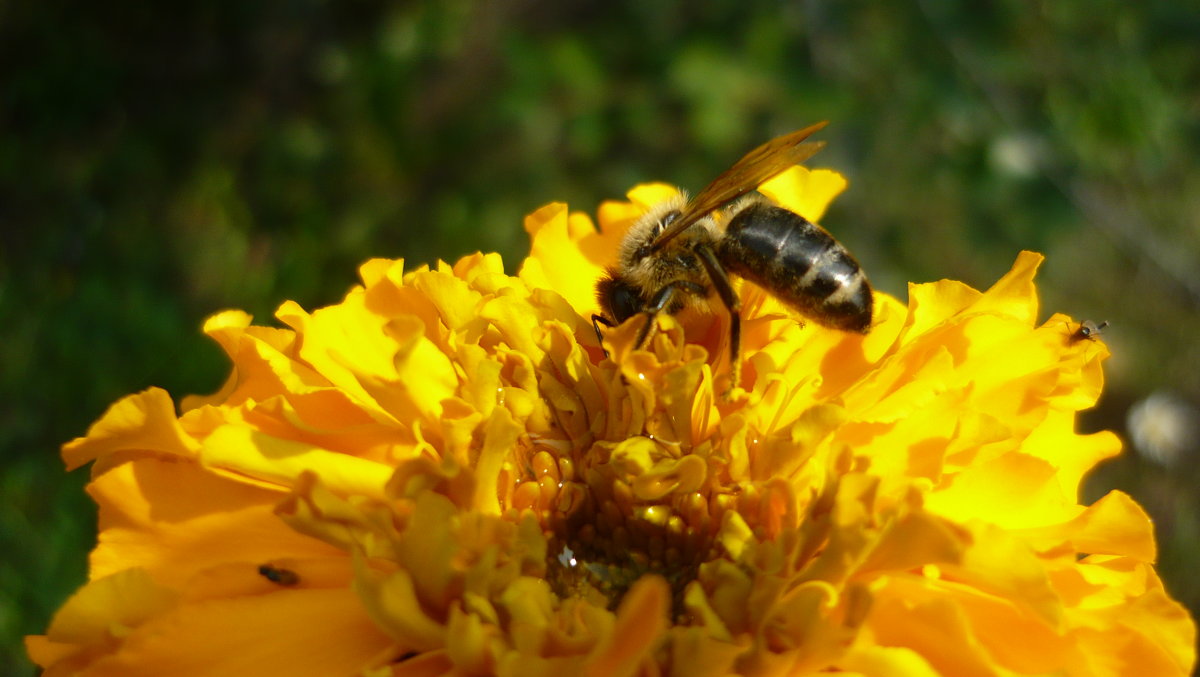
column 800, row 263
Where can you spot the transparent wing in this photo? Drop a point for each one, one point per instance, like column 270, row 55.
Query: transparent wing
column 760, row 164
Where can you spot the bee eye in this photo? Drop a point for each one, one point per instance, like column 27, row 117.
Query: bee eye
column 624, row 302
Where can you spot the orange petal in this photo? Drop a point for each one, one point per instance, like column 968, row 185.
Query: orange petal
column 176, row 519
column 934, row 628
column 886, row 661
column 110, row 607
column 316, row 632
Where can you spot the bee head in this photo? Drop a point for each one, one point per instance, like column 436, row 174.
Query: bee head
column 618, row 298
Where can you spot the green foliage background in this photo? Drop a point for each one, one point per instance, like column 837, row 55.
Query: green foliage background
column 159, row 162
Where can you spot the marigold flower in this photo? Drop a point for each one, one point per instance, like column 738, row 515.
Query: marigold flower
column 443, row 474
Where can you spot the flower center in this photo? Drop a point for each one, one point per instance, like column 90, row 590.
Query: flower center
column 602, row 538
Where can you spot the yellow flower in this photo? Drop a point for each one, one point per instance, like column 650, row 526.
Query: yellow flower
column 442, row 474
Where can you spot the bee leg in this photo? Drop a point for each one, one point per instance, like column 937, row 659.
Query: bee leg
column 643, row 336
column 662, row 301
column 720, row 282
column 598, row 320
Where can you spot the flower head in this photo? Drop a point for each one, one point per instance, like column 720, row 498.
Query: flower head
column 444, row 473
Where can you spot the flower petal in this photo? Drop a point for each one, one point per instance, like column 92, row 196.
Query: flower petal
column 255, row 635
column 136, row 425
column 174, row 521
column 567, row 255
column 808, row 192
column 641, row 621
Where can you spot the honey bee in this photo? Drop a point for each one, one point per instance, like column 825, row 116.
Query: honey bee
column 681, row 252
column 1088, row 330
column 278, row 574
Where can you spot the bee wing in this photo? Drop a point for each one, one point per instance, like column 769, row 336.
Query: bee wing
column 760, row 164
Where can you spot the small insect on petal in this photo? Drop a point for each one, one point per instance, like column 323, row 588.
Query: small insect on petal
column 278, row 575
column 1088, row 330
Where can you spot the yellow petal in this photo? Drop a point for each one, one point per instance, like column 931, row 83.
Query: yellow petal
column 1074, row 455
column 915, row 540
column 1015, row 491
column 1014, row 295
column 137, row 425
column 498, row 442
column 566, row 255
column 453, row 299
column 470, row 643
column 931, row 304
column 390, row 363
column 264, row 363
column 1114, row 525
column 1000, row 564
column 242, row 450
column 391, row 601
column 696, row 654
column 808, row 192
column 641, row 198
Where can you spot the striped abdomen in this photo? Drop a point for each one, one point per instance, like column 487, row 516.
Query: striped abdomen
column 800, row 263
